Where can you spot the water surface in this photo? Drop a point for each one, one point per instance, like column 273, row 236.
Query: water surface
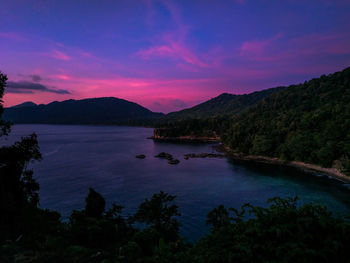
column 103, row 157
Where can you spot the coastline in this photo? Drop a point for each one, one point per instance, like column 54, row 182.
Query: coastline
column 184, row 139
column 304, row 167
column 308, row 168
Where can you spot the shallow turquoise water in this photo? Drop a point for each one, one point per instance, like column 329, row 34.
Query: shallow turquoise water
column 103, row 157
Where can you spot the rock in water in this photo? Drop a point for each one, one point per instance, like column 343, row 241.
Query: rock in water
column 141, row 156
column 175, row 161
column 165, row 155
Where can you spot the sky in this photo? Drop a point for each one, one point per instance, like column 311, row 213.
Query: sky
column 167, row 55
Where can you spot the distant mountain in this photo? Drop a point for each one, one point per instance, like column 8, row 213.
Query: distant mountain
column 224, row 104
column 25, row 104
column 87, row 111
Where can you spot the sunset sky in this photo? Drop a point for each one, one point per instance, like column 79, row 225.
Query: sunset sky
column 167, row 55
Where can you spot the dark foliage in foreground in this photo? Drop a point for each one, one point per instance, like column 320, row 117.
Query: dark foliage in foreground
column 283, row 232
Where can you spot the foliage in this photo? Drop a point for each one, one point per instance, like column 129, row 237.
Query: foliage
column 283, row 232
column 159, row 213
column 95, row 204
column 18, row 190
column 4, row 126
column 222, row 105
column 309, row 122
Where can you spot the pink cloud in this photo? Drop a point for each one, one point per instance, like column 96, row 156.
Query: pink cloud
column 326, row 43
column 172, row 49
column 60, row 76
column 173, row 45
column 257, row 47
column 60, row 55
column 299, row 55
column 173, row 94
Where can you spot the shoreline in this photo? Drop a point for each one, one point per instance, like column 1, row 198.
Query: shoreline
column 304, row 167
column 307, row 168
column 185, row 139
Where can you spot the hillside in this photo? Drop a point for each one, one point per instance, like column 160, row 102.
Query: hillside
column 87, row 111
column 25, row 104
column 224, row 104
column 309, row 122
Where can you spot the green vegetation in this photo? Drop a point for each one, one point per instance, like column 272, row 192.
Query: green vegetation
column 309, row 122
column 212, row 117
column 282, row 232
column 224, row 104
column 207, row 127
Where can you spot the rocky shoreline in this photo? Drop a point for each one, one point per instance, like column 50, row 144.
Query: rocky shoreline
column 301, row 166
column 204, row 155
column 304, row 167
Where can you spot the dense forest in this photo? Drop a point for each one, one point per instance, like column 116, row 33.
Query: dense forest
column 224, row 104
column 284, row 231
column 309, row 122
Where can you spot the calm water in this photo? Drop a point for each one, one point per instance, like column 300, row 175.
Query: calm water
column 103, row 157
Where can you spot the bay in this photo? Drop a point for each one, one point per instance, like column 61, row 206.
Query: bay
column 103, row 157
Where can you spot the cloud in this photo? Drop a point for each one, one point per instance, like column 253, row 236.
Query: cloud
column 32, row 77
column 257, row 47
column 36, row 78
column 172, row 44
column 172, row 49
column 60, row 55
column 300, row 55
column 31, row 87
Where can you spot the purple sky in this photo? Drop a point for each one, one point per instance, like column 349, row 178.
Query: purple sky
column 167, row 55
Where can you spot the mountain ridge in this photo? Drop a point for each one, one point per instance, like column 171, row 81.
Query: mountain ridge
column 223, row 104
column 106, row 110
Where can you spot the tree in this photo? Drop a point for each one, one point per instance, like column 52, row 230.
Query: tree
column 4, row 126
column 18, row 190
column 282, row 232
column 160, row 213
column 218, row 217
column 94, row 204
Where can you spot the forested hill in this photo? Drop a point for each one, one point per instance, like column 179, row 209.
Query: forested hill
column 309, row 122
column 25, row 104
column 87, row 111
column 224, row 104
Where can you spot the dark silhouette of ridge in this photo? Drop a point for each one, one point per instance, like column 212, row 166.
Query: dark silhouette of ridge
column 86, row 111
